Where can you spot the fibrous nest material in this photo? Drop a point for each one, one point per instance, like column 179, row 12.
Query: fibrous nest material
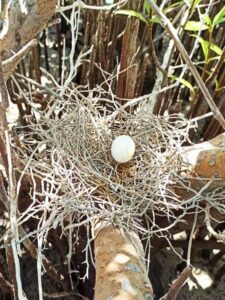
column 79, row 182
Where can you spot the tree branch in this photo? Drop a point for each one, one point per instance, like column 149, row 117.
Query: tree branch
column 173, row 34
column 120, row 270
column 21, row 28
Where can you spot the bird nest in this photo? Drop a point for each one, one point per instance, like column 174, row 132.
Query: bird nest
column 79, row 181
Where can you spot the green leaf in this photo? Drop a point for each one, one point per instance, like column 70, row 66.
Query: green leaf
column 155, row 19
column 172, row 6
column 216, row 49
column 147, row 7
column 195, row 26
column 131, row 13
column 207, row 20
column 183, row 82
column 219, row 17
column 194, row 3
column 205, row 47
column 220, row 21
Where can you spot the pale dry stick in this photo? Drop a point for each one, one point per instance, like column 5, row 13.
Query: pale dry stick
column 197, row 38
column 189, row 201
column 9, row 65
column 48, row 265
column 201, row 18
column 63, row 60
column 39, row 266
column 64, row 295
column 218, row 236
column 40, row 238
column 46, row 227
column 26, row 97
column 139, row 99
column 213, row 4
column 23, row 7
column 68, row 80
column 157, row 89
column 88, row 252
column 13, row 219
column 74, row 24
column 159, row 75
column 11, row 189
column 183, row 22
column 179, row 255
column 173, row 33
column 207, row 115
column 217, row 68
column 47, row 74
column 81, row 4
column 50, row 91
column 191, row 237
column 70, row 252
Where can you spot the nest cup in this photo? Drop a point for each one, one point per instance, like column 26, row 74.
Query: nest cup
column 79, row 175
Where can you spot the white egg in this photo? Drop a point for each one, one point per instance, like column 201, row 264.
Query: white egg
column 123, row 148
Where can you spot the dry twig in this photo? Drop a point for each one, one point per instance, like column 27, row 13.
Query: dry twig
column 172, row 32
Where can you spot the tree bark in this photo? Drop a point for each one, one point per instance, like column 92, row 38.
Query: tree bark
column 120, row 270
column 19, row 28
column 205, row 161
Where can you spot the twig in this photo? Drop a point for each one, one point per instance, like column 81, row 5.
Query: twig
column 191, row 237
column 3, row 121
column 13, row 220
column 207, row 115
column 3, row 195
column 50, row 269
column 217, row 68
column 217, row 236
column 173, row 33
column 81, row 4
column 11, row 269
column 5, row 285
column 64, row 294
column 177, row 285
column 10, row 64
column 11, row 190
column 196, row 244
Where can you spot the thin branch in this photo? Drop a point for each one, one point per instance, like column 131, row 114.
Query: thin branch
column 13, row 220
column 217, row 236
column 10, row 64
column 177, row 285
column 173, row 33
column 81, row 4
column 5, row 285
column 48, row 266
column 191, row 237
column 64, row 295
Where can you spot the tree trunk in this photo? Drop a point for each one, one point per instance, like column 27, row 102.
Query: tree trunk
column 120, row 270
